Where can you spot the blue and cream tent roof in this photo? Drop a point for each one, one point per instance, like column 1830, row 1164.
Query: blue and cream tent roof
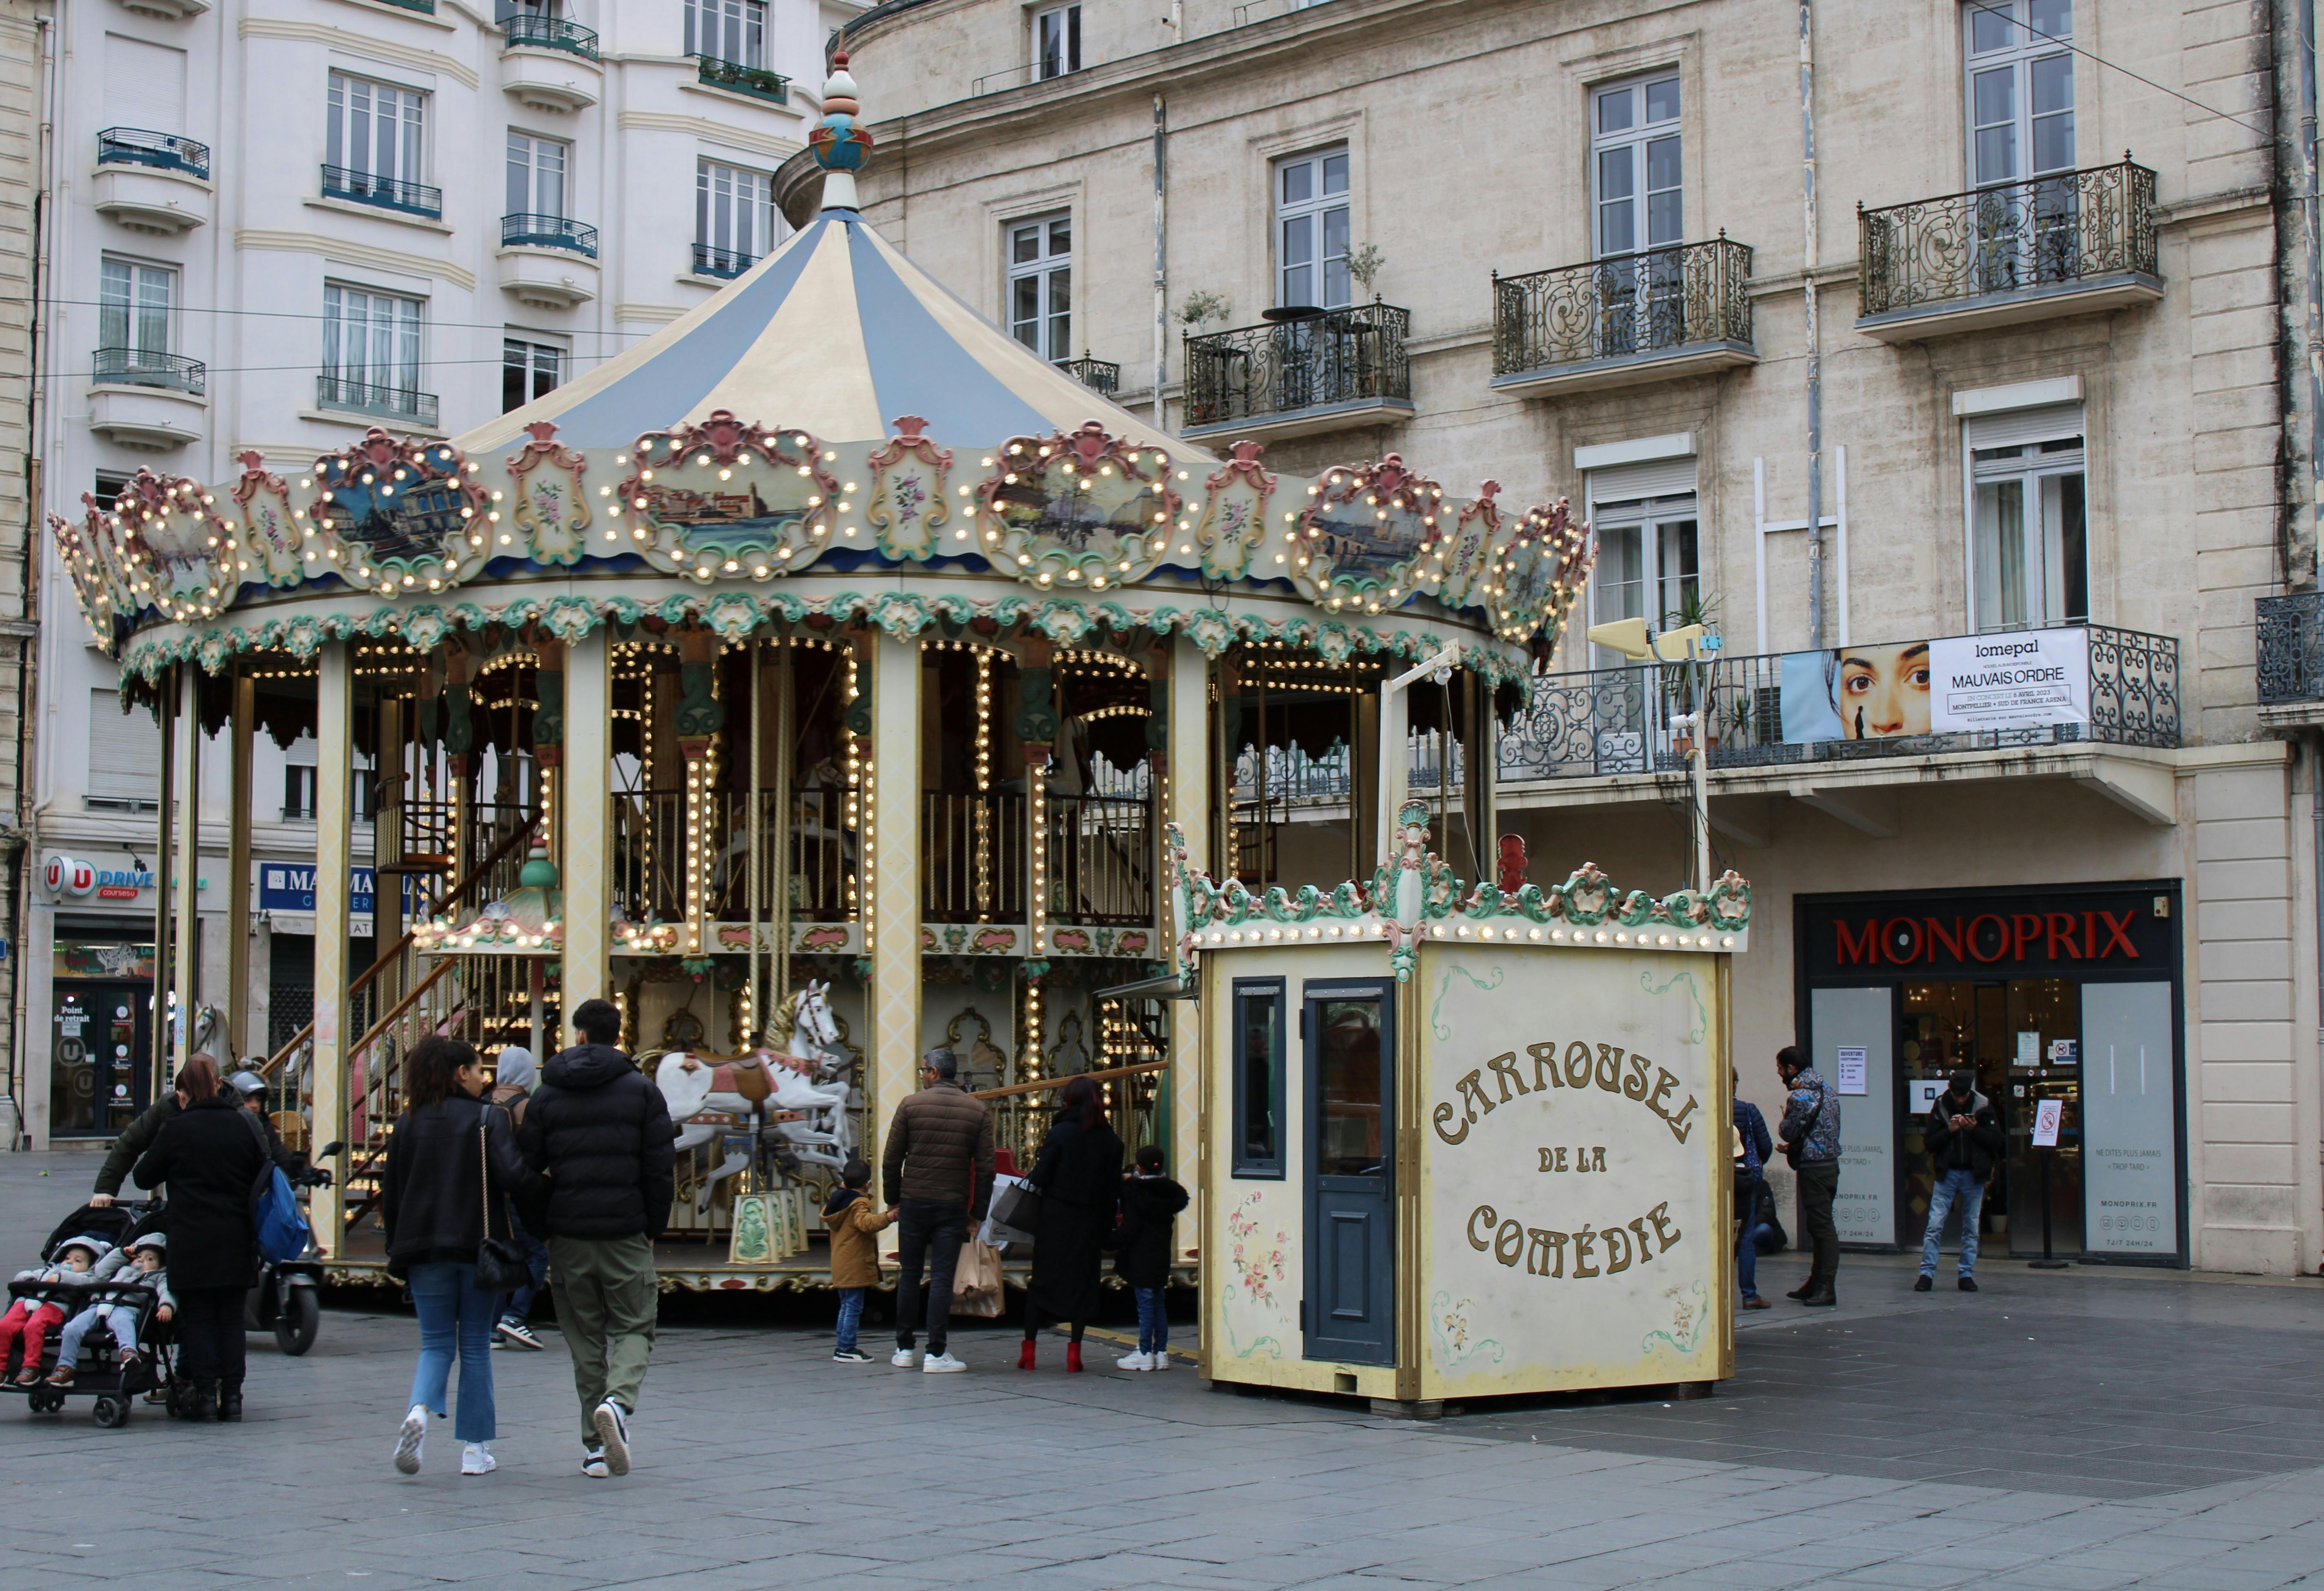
column 836, row 333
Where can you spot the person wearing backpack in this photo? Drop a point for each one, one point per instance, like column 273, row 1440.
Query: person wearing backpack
column 211, row 1159
column 1810, row 1139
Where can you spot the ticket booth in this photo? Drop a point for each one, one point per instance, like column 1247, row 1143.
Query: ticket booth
column 1485, row 1151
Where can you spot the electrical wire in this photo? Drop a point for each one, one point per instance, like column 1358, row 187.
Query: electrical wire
column 120, row 377
column 501, row 326
column 1991, row 10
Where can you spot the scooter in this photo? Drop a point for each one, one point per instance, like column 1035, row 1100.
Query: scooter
column 286, row 1299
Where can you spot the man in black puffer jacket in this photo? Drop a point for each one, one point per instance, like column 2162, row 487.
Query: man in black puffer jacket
column 597, row 1129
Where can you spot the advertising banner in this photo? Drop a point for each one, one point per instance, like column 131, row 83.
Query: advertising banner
column 2023, row 679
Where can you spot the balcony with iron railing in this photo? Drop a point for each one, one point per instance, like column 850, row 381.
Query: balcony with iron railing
column 726, row 264
column 1623, row 320
column 2070, row 242
column 363, row 397
column 1096, row 375
column 2291, row 674
column 755, row 81
column 142, row 367
column 164, row 151
column 387, row 193
column 535, row 231
column 1303, row 372
column 531, row 29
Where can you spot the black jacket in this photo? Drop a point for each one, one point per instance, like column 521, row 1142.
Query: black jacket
column 1147, row 1207
column 1975, row 1149
column 210, row 1154
column 135, row 1139
column 432, row 1196
column 598, row 1128
column 1080, row 1166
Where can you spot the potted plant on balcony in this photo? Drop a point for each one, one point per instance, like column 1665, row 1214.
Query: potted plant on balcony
column 1199, row 308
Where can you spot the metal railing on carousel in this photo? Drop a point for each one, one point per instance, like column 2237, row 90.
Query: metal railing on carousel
column 815, row 848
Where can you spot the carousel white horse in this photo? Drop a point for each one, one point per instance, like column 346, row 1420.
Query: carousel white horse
column 803, row 1080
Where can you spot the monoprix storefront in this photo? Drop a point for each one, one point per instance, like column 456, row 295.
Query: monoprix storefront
column 2073, row 993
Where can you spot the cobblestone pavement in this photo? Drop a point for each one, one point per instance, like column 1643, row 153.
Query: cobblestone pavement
column 2074, row 1432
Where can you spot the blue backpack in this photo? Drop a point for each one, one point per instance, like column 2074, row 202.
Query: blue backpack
column 281, row 1226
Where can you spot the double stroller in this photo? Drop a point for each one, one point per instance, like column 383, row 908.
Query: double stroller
column 100, row 1373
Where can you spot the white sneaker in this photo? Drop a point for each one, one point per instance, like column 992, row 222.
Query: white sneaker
column 942, row 1363
column 1133, row 1362
column 408, row 1438
column 592, row 1464
column 904, row 1358
column 614, row 1430
column 475, row 1458
column 1159, row 1359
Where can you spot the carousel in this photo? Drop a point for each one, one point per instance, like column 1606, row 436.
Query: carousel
column 824, row 678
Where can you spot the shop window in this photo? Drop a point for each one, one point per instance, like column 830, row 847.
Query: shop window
column 1041, row 285
column 1258, row 1050
column 1310, row 229
column 2028, row 521
column 1057, row 41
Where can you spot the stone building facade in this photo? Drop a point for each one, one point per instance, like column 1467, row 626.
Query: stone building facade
column 2013, row 265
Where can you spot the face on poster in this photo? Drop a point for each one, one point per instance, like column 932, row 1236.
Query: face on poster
column 1856, row 693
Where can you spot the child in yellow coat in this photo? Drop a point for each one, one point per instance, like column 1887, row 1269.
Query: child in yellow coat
column 854, row 1223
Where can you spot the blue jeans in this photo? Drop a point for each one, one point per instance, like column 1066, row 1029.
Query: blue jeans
column 517, row 1306
column 454, row 1309
column 1954, row 1186
column 1746, row 1260
column 851, row 1316
column 1153, row 1320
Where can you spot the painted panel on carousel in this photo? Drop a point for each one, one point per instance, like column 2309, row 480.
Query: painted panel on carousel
column 1364, row 534
column 396, row 515
column 549, row 504
column 1462, row 557
column 732, row 499
column 909, row 506
column 1234, row 524
column 271, row 535
column 1081, row 512
column 1537, row 578
column 96, row 585
column 178, row 554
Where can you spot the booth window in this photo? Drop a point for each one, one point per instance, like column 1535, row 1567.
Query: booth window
column 1259, row 1077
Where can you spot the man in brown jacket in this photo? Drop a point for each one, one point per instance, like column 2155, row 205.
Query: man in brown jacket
column 938, row 1171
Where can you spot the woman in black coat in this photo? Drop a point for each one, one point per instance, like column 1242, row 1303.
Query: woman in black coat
column 451, row 1168
column 210, row 1154
column 1079, row 1178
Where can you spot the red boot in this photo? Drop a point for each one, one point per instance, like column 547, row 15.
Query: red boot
column 1025, row 1355
column 1073, row 1358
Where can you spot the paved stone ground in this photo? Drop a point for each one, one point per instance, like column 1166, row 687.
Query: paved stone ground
column 2071, row 1433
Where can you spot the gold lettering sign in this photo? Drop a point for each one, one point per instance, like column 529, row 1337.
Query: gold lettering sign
column 1503, row 1079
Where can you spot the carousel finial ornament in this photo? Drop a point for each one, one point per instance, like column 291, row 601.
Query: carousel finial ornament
column 839, row 142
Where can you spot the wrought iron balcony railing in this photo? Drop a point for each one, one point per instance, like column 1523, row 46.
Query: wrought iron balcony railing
column 1336, row 357
column 1094, row 374
column 1607, row 721
column 550, row 32
column 389, row 193
column 1658, row 300
column 2041, row 233
column 138, row 367
column 362, row 397
column 2291, row 648
column 548, row 232
column 712, row 261
column 167, row 151
column 756, row 81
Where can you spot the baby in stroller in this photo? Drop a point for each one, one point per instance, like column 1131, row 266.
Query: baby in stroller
column 142, row 1263
column 35, row 1313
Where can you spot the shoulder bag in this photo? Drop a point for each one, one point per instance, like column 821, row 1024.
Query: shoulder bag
column 276, row 1220
column 501, row 1265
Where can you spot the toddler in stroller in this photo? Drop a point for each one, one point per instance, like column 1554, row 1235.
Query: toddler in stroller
column 142, row 1264
column 40, row 1297
column 87, row 1281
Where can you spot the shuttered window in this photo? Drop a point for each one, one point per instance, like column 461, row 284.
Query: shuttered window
column 125, row 753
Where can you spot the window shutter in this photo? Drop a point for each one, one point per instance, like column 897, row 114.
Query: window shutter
column 2017, row 428
column 145, row 85
column 1655, row 477
column 124, row 750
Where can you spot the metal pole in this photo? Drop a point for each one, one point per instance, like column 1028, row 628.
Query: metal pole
column 2045, row 1262
column 1815, row 335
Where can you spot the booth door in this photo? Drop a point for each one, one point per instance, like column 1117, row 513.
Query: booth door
column 1348, row 1031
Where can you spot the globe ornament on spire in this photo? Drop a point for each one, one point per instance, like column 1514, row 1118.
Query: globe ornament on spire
column 839, row 142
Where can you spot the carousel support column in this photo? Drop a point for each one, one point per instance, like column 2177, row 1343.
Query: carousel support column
column 1037, row 728
column 891, row 777
column 588, row 817
column 334, row 787
column 186, row 942
column 700, row 717
column 238, row 876
column 165, row 906
column 389, row 791
column 459, row 743
column 1477, row 762
column 1363, row 777
column 1188, row 792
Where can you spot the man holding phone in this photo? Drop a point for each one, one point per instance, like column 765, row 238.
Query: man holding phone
column 1963, row 1136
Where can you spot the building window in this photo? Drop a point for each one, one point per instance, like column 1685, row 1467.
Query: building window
column 2028, row 521
column 1311, row 228
column 1057, row 41
column 1259, row 1046
column 536, row 175
column 1636, row 166
column 732, row 31
column 371, row 347
column 528, row 371
column 377, row 130
column 132, row 312
column 2020, row 90
column 125, row 749
column 299, row 793
column 735, row 220
column 1650, row 564
column 1041, row 285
